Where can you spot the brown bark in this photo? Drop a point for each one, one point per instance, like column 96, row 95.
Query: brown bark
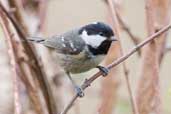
column 148, row 93
column 109, row 85
column 108, row 96
column 14, row 65
column 10, row 36
column 162, row 17
column 125, row 27
column 30, row 63
column 17, row 13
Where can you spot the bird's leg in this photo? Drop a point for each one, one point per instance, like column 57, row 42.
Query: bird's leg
column 104, row 70
column 78, row 89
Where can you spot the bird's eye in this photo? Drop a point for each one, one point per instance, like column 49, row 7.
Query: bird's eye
column 101, row 34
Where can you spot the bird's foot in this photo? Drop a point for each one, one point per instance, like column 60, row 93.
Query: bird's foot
column 104, row 70
column 79, row 91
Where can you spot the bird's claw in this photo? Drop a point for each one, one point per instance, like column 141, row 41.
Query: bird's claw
column 79, row 91
column 104, row 70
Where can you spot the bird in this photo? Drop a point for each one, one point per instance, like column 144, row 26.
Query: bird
column 80, row 49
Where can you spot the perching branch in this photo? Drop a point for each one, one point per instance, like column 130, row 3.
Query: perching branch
column 89, row 81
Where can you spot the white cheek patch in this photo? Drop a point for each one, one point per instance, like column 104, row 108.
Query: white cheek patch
column 93, row 40
column 95, row 23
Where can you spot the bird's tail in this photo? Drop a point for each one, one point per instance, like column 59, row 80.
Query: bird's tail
column 36, row 39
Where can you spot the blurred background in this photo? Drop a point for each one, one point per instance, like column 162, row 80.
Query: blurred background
column 111, row 93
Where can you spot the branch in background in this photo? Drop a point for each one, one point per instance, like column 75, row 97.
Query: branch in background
column 110, row 85
column 89, row 81
column 41, row 12
column 38, row 8
column 126, row 28
column 13, row 62
column 32, row 91
column 109, row 96
column 34, row 65
column 148, row 93
column 16, row 4
column 162, row 13
column 114, row 11
column 33, row 94
column 31, row 5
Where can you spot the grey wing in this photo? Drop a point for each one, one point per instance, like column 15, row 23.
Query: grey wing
column 67, row 43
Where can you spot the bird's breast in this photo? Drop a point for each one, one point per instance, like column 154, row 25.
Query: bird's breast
column 79, row 63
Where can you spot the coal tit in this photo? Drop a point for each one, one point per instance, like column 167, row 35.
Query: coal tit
column 80, row 49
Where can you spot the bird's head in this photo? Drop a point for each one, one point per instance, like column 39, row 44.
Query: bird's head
column 98, row 36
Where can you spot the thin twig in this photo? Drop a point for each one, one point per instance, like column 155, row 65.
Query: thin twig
column 112, row 80
column 13, row 61
column 126, row 28
column 42, row 9
column 124, row 25
column 32, row 92
column 114, row 12
column 16, row 4
column 88, row 82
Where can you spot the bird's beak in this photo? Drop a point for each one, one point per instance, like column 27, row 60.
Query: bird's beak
column 113, row 38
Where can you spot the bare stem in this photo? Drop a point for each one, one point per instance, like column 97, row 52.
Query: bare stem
column 16, row 4
column 114, row 14
column 126, row 28
column 34, row 64
column 13, row 62
column 88, row 82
